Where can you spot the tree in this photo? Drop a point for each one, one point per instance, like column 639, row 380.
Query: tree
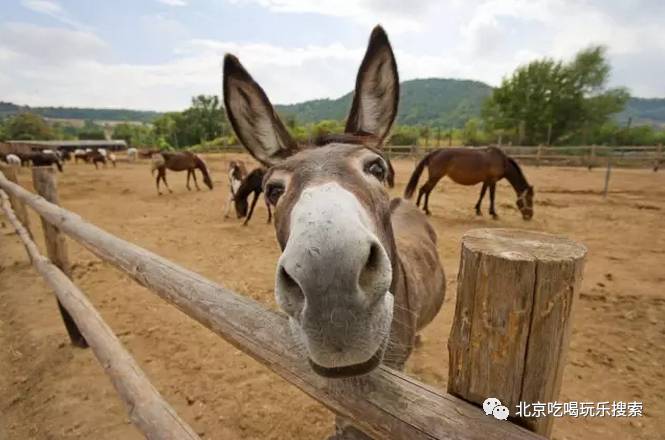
column 91, row 131
column 28, row 126
column 567, row 98
column 134, row 134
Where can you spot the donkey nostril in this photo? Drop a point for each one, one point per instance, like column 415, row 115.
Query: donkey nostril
column 372, row 274
column 374, row 257
column 290, row 288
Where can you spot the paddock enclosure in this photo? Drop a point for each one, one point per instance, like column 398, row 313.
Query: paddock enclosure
column 55, row 391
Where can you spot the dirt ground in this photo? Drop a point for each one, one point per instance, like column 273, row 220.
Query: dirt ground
column 49, row 390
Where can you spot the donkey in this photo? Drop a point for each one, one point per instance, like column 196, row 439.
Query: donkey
column 359, row 274
column 468, row 166
column 182, row 161
column 237, row 172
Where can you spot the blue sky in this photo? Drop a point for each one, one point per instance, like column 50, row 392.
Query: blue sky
column 156, row 54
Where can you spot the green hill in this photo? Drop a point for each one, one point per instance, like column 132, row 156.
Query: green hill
column 95, row 114
column 434, row 101
column 644, row 111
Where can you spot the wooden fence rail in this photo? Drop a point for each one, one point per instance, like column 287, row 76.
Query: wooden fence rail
column 590, row 156
column 147, row 409
column 385, row 404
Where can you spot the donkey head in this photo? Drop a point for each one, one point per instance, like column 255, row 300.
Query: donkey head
column 332, row 215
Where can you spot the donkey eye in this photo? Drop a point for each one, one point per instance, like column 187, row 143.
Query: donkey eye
column 273, row 192
column 376, row 169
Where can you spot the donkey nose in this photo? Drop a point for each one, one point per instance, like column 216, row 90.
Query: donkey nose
column 372, row 280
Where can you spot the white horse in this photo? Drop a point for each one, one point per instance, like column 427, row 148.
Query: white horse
column 132, row 154
column 103, row 152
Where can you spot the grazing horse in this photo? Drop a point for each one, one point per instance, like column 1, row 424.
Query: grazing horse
column 46, row 159
column 359, row 274
column 252, row 184
column 95, row 157
column 237, row 172
column 468, row 166
column 182, row 161
column 65, row 154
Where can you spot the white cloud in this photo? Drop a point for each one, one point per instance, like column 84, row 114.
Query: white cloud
column 53, row 10
column 400, row 16
column 173, row 2
column 483, row 41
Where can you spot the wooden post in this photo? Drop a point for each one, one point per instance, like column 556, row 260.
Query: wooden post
column 147, row 408
column 607, row 176
column 592, row 156
column 43, row 179
column 539, row 153
column 17, row 205
column 549, row 134
column 509, row 338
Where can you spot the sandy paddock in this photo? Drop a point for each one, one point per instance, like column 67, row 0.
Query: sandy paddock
column 51, row 391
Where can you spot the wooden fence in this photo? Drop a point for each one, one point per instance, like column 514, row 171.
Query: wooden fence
column 389, row 405
column 588, row 156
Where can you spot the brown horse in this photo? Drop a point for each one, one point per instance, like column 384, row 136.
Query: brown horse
column 182, row 161
column 237, row 173
column 45, row 159
column 359, row 274
column 468, row 166
column 252, row 184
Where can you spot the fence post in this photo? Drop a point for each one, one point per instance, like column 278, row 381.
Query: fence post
column 43, row 179
column 17, row 205
column 539, row 153
column 510, row 333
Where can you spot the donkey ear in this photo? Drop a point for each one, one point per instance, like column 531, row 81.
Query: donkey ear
column 377, row 89
column 252, row 116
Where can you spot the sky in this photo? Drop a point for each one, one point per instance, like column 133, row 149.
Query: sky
column 157, row 54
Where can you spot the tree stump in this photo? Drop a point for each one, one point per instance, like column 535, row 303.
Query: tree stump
column 515, row 298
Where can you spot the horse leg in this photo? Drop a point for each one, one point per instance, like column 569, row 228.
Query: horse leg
column 196, row 184
column 188, row 174
column 492, row 191
column 163, row 173
column 425, row 190
column 480, row 200
column 228, row 205
column 251, row 208
column 157, row 182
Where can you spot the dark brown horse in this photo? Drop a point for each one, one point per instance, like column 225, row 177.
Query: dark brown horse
column 95, row 158
column 468, row 166
column 182, row 161
column 45, row 159
column 252, row 184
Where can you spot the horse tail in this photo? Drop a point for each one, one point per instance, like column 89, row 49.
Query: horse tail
column 158, row 161
column 413, row 181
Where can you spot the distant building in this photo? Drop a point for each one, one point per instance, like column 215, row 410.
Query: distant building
column 24, row 146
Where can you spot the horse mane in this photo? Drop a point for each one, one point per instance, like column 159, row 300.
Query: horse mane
column 201, row 165
column 519, row 173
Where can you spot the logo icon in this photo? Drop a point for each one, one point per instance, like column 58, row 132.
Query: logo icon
column 493, row 406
